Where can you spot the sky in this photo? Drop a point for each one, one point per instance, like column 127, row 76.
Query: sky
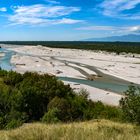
column 52, row 20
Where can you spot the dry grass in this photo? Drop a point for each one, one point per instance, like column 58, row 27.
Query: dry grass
column 92, row 130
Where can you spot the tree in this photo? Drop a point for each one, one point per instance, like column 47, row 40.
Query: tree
column 130, row 104
column 62, row 105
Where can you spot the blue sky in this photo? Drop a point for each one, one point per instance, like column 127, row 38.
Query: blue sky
column 67, row 19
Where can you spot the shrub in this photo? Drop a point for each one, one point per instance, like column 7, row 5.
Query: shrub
column 79, row 105
column 62, row 105
column 13, row 124
column 51, row 116
column 12, row 78
column 2, row 122
column 131, row 105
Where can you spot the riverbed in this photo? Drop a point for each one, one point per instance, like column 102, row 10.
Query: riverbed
column 108, row 72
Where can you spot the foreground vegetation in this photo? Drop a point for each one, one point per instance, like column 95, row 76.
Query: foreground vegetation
column 118, row 47
column 92, row 130
column 30, row 98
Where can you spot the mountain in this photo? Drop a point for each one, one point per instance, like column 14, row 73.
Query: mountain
column 124, row 38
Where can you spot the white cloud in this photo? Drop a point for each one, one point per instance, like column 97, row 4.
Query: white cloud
column 67, row 21
column 52, row 1
column 42, row 14
column 134, row 29
column 3, row 9
column 43, row 22
column 118, row 7
column 114, row 29
column 97, row 28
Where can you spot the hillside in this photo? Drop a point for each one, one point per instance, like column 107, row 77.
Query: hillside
column 123, row 38
column 97, row 130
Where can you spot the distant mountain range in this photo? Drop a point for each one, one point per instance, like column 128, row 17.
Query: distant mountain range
column 124, row 38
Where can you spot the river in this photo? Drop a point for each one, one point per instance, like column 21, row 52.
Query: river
column 106, row 81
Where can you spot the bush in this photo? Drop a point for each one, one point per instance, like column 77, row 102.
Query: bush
column 62, row 105
column 51, row 116
column 13, row 124
column 131, row 105
column 2, row 122
column 13, row 78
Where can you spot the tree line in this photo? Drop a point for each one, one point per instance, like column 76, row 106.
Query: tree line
column 117, row 47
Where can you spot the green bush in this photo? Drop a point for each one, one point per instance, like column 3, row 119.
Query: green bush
column 131, row 105
column 13, row 124
column 2, row 122
column 63, row 105
column 51, row 116
column 13, row 78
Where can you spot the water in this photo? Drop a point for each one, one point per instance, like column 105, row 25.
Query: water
column 5, row 61
column 114, row 87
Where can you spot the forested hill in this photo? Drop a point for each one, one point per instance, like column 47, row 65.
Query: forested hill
column 117, row 47
column 123, row 38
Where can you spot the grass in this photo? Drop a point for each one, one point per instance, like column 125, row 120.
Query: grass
column 92, row 130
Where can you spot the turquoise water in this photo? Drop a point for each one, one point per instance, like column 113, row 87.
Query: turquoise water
column 114, row 87
column 5, row 61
